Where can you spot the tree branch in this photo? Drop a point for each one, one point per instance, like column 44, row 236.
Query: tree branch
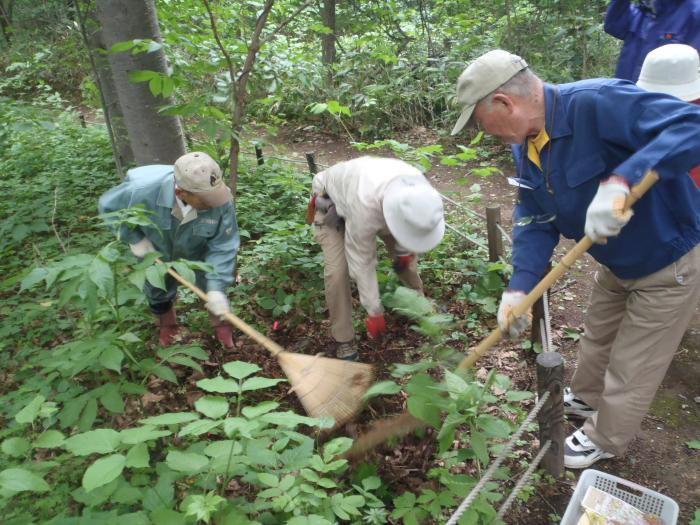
column 254, row 44
column 287, row 21
column 212, row 21
column 238, row 85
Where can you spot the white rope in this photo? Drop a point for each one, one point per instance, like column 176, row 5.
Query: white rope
column 470, row 212
column 467, row 237
column 523, row 480
column 496, row 463
column 475, row 214
column 547, row 339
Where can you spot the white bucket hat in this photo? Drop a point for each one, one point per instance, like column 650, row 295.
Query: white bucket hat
column 198, row 173
column 672, row 69
column 486, row 74
column 414, row 214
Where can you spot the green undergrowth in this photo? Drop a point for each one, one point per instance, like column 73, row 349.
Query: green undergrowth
column 82, row 440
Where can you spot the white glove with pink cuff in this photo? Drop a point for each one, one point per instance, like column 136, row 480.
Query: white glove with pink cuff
column 604, row 217
column 512, row 327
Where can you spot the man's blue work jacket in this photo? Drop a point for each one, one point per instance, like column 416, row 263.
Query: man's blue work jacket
column 212, row 236
column 643, row 28
column 599, row 127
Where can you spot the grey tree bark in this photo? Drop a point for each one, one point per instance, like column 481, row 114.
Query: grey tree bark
column 6, row 18
column 328, row 40
column 154, row 138
column 114, row 117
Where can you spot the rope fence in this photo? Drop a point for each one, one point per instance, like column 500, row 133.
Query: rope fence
column 496, row 463
column 523, row 480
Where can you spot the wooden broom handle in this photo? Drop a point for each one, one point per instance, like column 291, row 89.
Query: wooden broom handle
column 567, row 261
column 239, row 323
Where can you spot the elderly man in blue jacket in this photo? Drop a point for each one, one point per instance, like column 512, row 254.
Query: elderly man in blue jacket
column 193, row 218
column 649, row 24
column 578, row 148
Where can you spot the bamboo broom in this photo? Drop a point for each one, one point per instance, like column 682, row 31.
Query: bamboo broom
column 406, row 423
column 326, row 387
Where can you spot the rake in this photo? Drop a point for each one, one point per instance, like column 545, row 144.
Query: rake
column 326, row 387
column 406, row 423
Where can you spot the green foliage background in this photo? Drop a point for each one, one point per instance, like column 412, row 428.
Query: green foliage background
column 395, row 67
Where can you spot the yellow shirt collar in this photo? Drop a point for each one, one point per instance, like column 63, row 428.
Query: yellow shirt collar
column 534, row 147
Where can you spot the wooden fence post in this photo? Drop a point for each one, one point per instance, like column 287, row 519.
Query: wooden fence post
column 550, row 374
column 259, row 154
column 493, row 220
column 312, row 162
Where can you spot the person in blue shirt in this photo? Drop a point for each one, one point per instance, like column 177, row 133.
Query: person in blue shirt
column 193, row 218
column 648, row 24
column 577, row 149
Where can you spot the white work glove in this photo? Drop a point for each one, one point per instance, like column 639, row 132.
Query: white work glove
column 141, row 248
column 217, row 303
column 512, row 328
column 604, row 217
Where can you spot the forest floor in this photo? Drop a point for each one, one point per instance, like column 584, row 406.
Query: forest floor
column 658, row 458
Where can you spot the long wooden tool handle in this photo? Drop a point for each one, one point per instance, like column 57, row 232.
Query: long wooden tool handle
column 239, row 323
column 567, row 261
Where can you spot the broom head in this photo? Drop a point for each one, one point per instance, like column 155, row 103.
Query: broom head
column 327, row 387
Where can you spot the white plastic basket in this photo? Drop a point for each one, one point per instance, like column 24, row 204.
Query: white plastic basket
column 643, row 498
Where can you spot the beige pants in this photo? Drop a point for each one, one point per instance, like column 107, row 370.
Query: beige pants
column 336, row 276
column 632, row 330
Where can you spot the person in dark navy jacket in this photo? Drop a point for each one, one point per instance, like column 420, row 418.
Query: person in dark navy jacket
column 648, row 24
column 578, row 148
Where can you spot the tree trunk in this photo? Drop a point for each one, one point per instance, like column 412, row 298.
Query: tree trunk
column 6, row 18
column 154, row 138
column 328, row 40
column 114, row 116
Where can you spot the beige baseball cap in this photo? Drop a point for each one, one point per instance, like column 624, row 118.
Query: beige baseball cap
column 198, row 173
column 487, row 73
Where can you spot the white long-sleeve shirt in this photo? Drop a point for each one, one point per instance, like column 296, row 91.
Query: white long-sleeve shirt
column 357, row 188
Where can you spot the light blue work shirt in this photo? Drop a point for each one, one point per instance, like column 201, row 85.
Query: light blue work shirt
column 202, row 235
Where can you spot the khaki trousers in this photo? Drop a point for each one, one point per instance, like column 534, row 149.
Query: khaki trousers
column 631, row 332
column 336, row 276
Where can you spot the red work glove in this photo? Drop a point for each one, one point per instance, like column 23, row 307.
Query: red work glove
column 402, row 261
column 376, row 326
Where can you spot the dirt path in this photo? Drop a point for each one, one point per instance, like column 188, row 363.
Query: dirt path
column 659, row 457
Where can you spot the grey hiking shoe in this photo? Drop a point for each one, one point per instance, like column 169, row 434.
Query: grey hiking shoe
column 346, row 351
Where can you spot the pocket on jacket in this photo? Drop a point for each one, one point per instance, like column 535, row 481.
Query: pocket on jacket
column 204, row 229
column 585, row 168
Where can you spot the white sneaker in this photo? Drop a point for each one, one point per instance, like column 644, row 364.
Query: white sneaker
column 576, row 407
column 581, row 452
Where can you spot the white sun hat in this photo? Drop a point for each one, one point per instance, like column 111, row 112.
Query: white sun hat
column 672, row 69
column 414, row 214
